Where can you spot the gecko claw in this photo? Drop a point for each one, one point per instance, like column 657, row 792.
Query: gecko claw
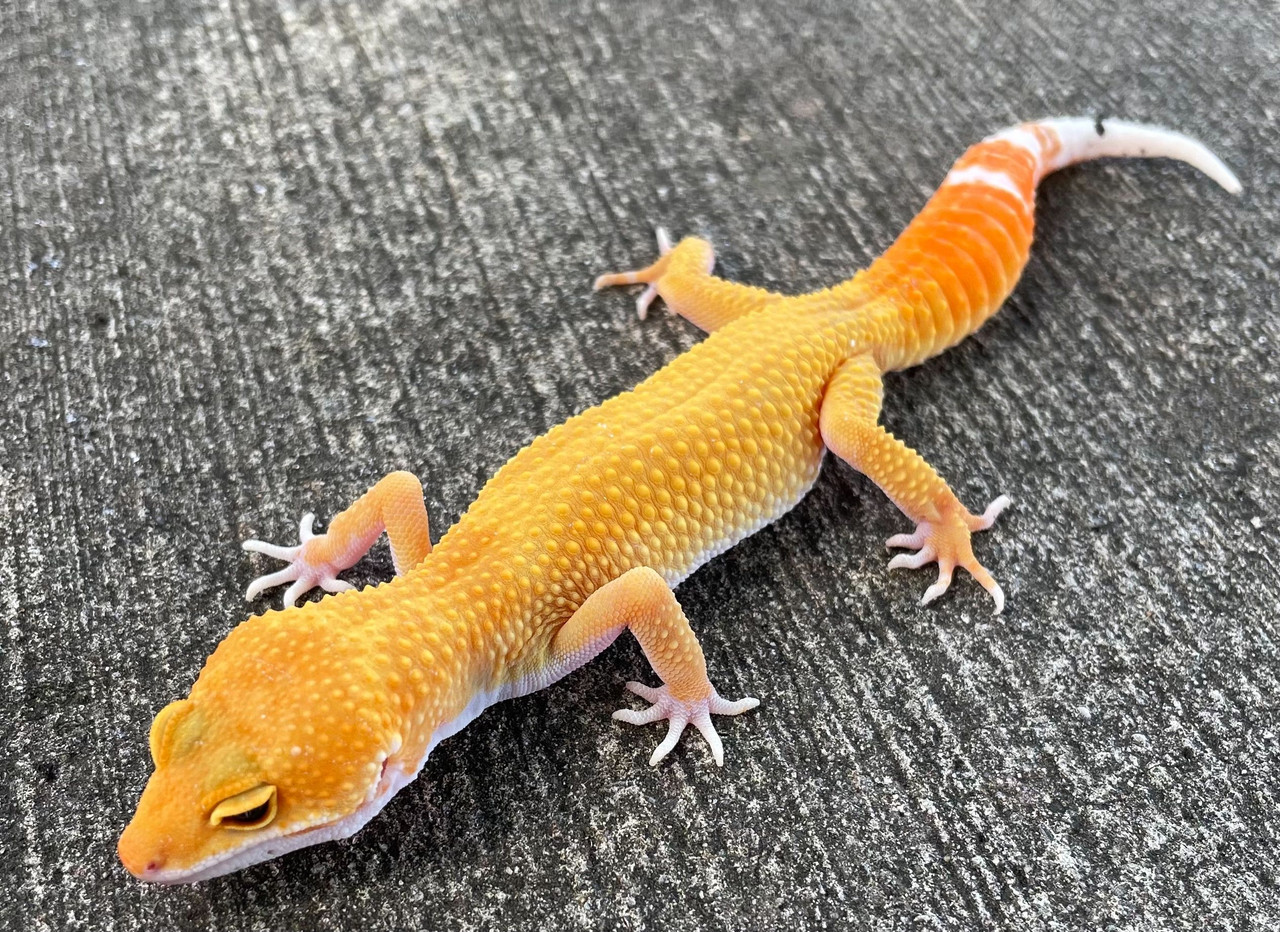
column 681, row 713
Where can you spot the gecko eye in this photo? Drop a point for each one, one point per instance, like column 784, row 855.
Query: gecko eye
column 246, row 811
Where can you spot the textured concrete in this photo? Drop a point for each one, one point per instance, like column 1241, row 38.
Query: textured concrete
column 254, row 256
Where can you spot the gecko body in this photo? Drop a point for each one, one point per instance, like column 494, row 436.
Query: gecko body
column 305, row 721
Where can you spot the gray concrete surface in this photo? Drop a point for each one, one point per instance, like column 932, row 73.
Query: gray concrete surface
column 253, row 256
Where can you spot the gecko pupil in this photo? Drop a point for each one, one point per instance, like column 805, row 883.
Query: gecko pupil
column 249, row 816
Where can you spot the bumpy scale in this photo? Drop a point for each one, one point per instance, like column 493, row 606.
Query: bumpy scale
column 305, row 721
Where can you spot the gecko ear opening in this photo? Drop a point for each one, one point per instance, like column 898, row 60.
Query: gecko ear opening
column 252, row 809
column 160, row 726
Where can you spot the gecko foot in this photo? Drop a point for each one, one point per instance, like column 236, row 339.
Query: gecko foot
column 310, row 565
column 680, row 713
column 650, row 275
column 948, row 544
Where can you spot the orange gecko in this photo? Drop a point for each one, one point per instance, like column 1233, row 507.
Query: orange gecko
column 305, row 721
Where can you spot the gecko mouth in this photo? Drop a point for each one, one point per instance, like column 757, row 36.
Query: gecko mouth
column 390, row 781
column 276, row 845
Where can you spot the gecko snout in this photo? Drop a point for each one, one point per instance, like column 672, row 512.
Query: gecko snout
column 140, row 857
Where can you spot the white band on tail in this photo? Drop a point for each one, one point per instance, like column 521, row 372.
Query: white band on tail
column 976, row 174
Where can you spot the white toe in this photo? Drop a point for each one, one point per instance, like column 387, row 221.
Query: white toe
column 674, row 731
column 274, row 551
column 913, row 561
column 271, row 580
column 938, row 588
column 648, row 693
column 638, row 717
column 721, row 706
column 993, row 511
column 304, row 527
column 708, row 732
column 300, row 588
column 910, row 541
column 997, row 595
column 645, row 299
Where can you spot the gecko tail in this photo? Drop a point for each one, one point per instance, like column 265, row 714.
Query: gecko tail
column 960, row 257
column 1081, row 139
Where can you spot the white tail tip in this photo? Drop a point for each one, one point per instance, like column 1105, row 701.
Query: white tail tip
column 1084, row 139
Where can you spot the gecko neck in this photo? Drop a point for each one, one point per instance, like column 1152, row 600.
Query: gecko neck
column 438, row 643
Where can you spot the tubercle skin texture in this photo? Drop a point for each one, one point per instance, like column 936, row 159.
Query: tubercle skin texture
column 336, row 703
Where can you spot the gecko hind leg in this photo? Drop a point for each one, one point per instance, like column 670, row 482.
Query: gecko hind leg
column 849, row 422
column 682, row 277
column 652, row 274
column 393, row 505
column 648, row 275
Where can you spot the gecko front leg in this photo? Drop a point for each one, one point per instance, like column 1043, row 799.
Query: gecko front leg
column 641, row 600
column 393, row 505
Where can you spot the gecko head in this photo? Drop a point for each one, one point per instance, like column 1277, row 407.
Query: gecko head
column 281, row 744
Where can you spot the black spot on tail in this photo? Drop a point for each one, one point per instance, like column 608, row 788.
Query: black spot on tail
column 1097, row 124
